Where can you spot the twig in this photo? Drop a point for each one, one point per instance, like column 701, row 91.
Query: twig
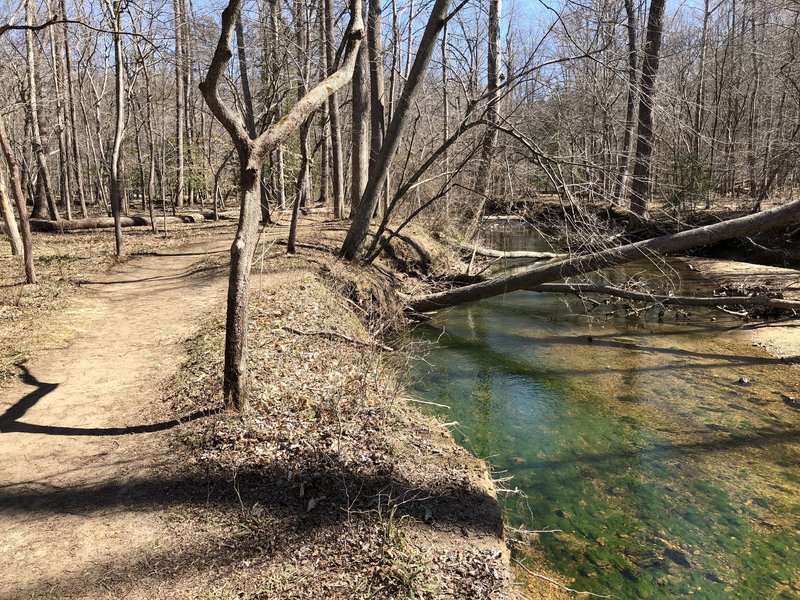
column 337, row 335
column 560, row 585
column 428, row 403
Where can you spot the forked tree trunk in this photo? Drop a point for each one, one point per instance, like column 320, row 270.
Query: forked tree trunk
column 577, row 265
column 252, row 154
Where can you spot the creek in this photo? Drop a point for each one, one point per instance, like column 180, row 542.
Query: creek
column 664, row 451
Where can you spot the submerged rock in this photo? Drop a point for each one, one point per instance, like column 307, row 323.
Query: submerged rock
column 791, row 401
column 678, row 557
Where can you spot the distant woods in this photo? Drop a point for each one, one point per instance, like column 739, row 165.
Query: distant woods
column 637, row 103
column 380, row 112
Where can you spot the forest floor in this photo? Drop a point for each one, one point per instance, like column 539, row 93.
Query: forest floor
column 120, row 477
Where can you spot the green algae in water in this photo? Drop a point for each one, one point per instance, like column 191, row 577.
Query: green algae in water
column 610, row 441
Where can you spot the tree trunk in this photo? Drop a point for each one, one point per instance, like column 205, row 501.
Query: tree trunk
column 115, row 6
column 180, row 105
column 70, row 96
column 19, row 200
column 57, row 60
column 376, row 89
column 363, row 216
column 668, row 244
column 620, row 184
column 36, row 136
column 640, row 188
column 493, row 99
column 359, row 171
column 9, row 222
column 244, row 245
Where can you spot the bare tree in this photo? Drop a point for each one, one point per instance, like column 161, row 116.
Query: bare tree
column 640, row 188
column 400, row 119
column 252, row 153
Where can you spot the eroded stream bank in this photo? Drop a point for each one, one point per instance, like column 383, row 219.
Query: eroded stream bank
column 667, row 454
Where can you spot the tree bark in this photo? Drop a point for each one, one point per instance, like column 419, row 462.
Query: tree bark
column 19, row 200
column 669, row 244
column 640, row 188
column 9, row 222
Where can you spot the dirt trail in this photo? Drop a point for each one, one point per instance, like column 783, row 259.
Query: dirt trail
column 74, row 435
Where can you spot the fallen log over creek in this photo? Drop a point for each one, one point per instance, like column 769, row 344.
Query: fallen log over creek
column 587, row 263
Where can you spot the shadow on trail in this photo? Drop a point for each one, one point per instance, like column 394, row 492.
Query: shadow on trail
column 208, row 271
column 9, row 420
column 264, row 512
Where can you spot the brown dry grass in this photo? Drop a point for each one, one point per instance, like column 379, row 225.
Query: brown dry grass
column 355, row 493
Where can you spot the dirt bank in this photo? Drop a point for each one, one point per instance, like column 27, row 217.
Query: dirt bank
column 780, row 338
column 121, row 479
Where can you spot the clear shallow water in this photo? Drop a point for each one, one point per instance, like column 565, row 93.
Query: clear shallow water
column 666, row 476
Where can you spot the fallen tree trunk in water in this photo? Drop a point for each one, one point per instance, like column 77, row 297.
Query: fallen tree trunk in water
column 512, row 253
column 667, row 244
column 591, row 288
column 108, row 222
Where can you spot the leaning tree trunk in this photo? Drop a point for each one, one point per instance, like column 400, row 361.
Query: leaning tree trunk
column 369, row 199
column 9, row 222
column 668, row 244
column 252, row 154
column 640, row 188
column 19, row 200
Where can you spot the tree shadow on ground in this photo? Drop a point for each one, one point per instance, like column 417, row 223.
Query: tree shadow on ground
column 10, row 423
column 263, row 513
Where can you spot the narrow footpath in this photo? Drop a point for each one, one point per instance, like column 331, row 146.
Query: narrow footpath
column 76, row 444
